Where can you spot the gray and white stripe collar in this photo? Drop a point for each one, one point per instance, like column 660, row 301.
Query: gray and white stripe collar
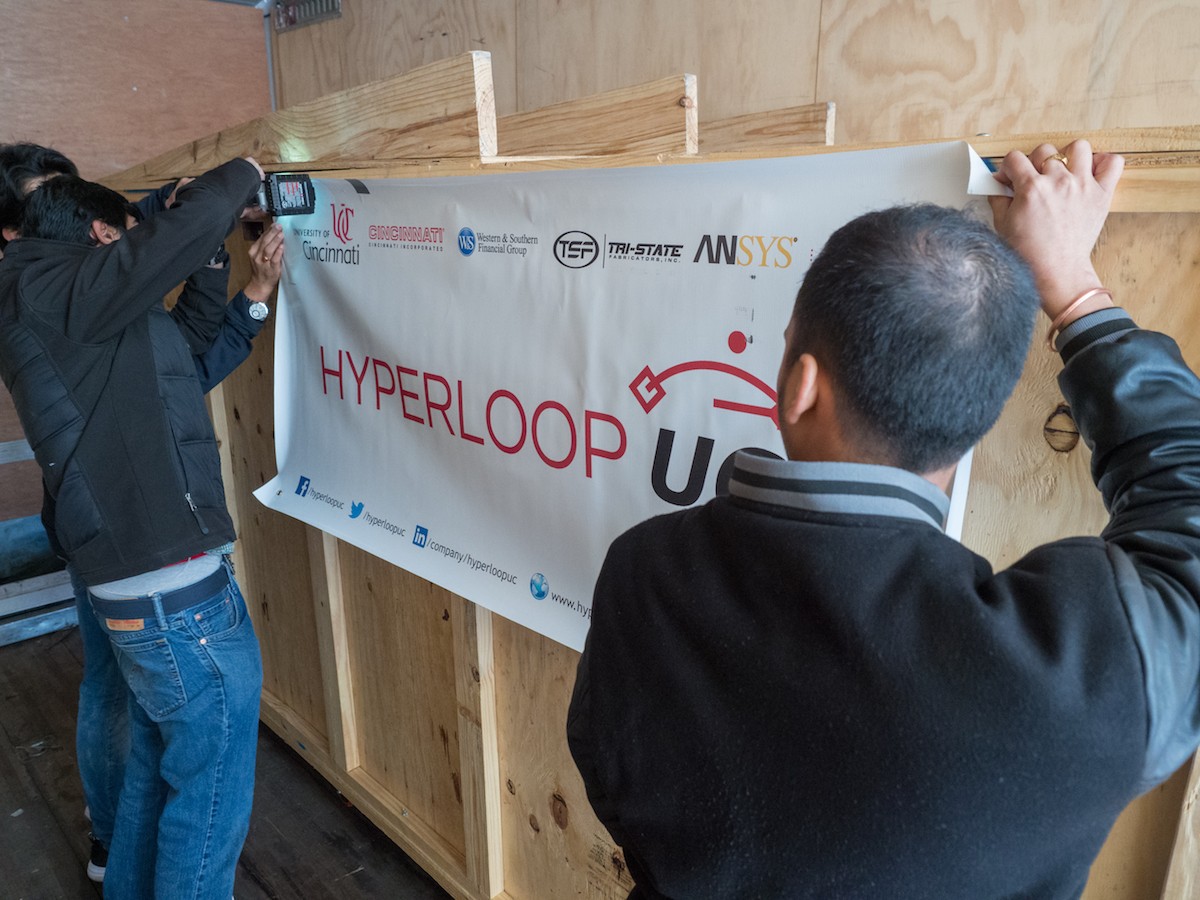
column 838, row 487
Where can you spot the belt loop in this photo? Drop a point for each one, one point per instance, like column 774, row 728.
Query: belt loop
column 159, row 615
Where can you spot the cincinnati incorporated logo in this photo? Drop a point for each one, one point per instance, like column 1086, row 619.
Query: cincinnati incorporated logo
column 342, row 214
column 466, row 241
column 389, row 236
column 576, row 249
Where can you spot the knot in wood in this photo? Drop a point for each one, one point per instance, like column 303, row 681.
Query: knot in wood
column 558, row 810
column 1060, row 430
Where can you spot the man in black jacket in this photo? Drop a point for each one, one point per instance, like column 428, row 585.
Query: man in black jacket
column 220, row 335
column 805, row 689
column 107, row 390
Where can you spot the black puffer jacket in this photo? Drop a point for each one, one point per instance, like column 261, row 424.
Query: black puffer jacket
column 105, row 384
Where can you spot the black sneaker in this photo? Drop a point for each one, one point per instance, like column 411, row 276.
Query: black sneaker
column 98, row 861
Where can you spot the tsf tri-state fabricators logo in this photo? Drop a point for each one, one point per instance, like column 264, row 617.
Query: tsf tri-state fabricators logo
column 342, row 214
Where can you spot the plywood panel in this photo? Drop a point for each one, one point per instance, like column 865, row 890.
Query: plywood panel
column 272, row 549
column 1183, row 880
column 401, row 647
column 748, row 56
column 1023, row 493
column 1133, row 861
column 375, row 39
column 111, row 84
column 918, row 69
column 554, row 847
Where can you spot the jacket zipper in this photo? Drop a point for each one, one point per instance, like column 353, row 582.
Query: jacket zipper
column 195, row 512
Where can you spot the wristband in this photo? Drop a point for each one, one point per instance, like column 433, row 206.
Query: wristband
column 1052, row 332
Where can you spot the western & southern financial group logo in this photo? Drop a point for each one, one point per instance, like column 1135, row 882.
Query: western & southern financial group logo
column 466, row 241
column 576, row 249
column 539, row 586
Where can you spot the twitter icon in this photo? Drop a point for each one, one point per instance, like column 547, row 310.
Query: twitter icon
column 355, row 509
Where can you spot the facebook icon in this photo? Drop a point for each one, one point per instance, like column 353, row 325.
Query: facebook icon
column 421, row 535
column 302, row 487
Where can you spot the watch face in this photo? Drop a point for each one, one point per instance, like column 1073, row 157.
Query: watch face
column 258, row 310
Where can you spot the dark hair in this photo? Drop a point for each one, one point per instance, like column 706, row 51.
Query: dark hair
column 922, row 315
column 63, row 209
column 19, row 163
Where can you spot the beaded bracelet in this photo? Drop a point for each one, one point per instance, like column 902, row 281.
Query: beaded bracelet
column 1052, row 332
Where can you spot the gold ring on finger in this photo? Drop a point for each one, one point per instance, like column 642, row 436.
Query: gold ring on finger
column 1060, row 157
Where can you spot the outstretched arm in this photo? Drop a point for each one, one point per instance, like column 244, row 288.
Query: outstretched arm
column 1137, row 404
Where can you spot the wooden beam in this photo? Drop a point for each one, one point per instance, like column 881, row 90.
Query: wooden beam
column 333, row 645
column 1154, row 182
column 657, row 117
column 792, row 126
column 444, row 109
column 479, row 745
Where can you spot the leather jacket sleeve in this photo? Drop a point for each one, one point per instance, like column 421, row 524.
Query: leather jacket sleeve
column 1137, row 404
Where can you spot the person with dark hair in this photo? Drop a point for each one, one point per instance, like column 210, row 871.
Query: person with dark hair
column 102, row 733
column 22, row 168
column 106, row 386
column 806, row 689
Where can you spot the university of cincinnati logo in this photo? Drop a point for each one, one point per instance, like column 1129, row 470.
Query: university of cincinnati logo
column 342, row 214
column 347, row 253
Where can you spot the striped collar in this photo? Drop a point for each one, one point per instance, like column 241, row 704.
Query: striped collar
column 837, row 487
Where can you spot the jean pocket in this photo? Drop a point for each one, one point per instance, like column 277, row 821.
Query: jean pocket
column 217, row 618
column 152, row 673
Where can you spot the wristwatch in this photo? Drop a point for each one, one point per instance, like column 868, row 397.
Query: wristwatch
column 259, row 310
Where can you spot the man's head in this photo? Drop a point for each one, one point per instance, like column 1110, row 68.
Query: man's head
column 23, row 167
column 918, row 320
column 67, row 208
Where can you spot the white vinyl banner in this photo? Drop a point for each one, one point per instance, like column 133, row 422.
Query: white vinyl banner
column 484, row 380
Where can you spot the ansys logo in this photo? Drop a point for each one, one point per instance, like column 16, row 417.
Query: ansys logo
column 466, row 241
column 539, row 587
column 576, row 249
column 761, row 250
column 342, row 214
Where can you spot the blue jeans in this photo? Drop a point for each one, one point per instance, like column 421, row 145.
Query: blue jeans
column 195, row 677
column 102, row 725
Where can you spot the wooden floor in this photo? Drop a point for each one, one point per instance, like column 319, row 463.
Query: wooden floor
column 305, row 842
